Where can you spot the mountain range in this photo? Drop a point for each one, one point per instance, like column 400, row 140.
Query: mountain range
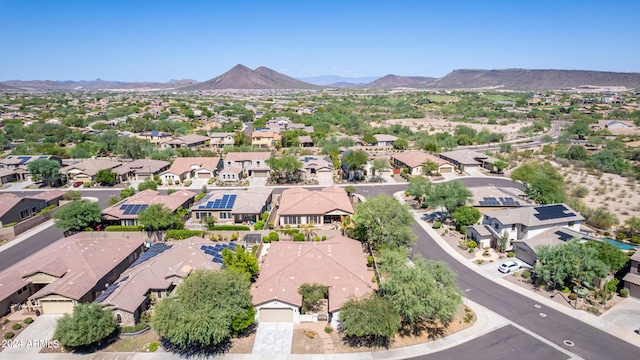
column 262, row 78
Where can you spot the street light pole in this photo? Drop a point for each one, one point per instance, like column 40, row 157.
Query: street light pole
column 466, row 297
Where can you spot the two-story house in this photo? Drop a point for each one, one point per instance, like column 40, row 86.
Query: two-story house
column 265, row 139
column 526, row 228
column 252, row 164
column 188, row 141
column 222, row 139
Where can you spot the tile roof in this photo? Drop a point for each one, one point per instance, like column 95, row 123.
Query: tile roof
column 149, row 197
column 80, row 260
column 338, row 263
column 632, row 278
column 527, row 216
column 300, row 201
column 91, row 166
column 7, row 202
column 188, row 139
column 467, row 157
column 385, row 137
column 245, row 156
column 159, row 273
column 553, row 236
column 417, row 158
column 182, row 165
column 48, row 195
column 145, row 166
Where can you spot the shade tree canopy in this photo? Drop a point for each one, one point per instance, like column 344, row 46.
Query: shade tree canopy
column 383, row 220
column 88, row 324
column 77, row 215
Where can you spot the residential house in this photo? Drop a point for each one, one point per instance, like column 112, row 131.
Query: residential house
column 384, row 140
column 191, row 141
column 338, row 263
column 7, row 176
column 265, row 139
column 72, row 270
column 144, row 169
column 222, row 139
column 125, row 212
column 632, row 279
column 299, row 206
column 305, row 141
column 253, row 164
column 184, row 168
column 616, row 127
column 320, row 167
column 86, row 170
column 17, row 164
column 236, row 206
column 522, row 224
column 156, row 274
column 413, row 161
column 155, row 137
column 14, row 208
column 469, row 160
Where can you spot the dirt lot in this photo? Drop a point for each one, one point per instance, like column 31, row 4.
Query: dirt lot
column 435, row 125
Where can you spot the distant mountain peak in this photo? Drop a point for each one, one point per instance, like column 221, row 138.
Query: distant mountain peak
column 241, row 77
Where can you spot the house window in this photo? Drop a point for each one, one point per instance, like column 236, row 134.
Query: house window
column 24, row 213
column 571, row 223
column 513, row 227
column 22, row 290
column 119, row 318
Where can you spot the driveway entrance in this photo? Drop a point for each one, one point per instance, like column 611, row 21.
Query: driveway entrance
column 273, row 338
column 32, row 339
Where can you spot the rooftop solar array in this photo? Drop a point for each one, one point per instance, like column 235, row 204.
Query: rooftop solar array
column 155, row 249
column 216, row 251
column 107, row 292
column 226, row 202
column 491, row 201
column 563, row 236
column 552, row 212
column 23, row 159
column 132, row 209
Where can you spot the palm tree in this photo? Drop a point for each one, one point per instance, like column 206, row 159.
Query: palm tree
column 346, row 222
column 309, row 230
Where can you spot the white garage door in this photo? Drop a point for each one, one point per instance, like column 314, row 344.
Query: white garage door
column 325, row 174
column 57, row 307
column 260, row 174
column 276, row 315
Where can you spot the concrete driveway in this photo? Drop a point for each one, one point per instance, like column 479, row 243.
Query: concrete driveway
column 32, row 339
column 273, row 338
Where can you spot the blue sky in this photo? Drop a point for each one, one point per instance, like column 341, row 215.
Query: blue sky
column 162, row 40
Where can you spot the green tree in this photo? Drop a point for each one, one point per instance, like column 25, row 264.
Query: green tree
column 148, row 184
column 601, row 218
column 368, row 138
column 449, row 195
column 425, row 291
column 241, row 261
column 563, row 264
column 614, row 258
column 419, row 188
column 500, row 166
column 106, row 177
column 209, row 306
column 505, row 147
column 132, row 148
column 126, row 192
column 372, row 320
column 311, row 296
column 465, row 216
column 378, row 166
column 157, row 218
column 241, row 139
column 401, row 144
column 88, row 324
column 632, row 226
column 77, row 215
column 286, row 167
column 383, row 220
column 355, row 160
column 542, row 182
column 577, row 152
column 429, row 167
column 44, row 169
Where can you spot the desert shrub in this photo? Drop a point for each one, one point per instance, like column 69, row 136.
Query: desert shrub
column 526, row 274
column 154, row 346
column 480, row 261
column 124, row 228
column 273, row 236
column 265, row 239
column 9, row 335
column 472, row 250
column 624, row 292
column 471, row 244
column 259, row 225
column 171, row 191
column 437, row 225
column 134, row 328
column 565, row 290
column 187, row 183
column 183, row 234
column 328, row 329
column 324, row 237
column 635, row 239
column 511, row 254
column 28, row 320
column 593, row 310
column 620, row 236
column 573, row 296
column 298, row 237
column 229, row 228
column 72, row 195
column 369, row 261
column 198, row 197
column 16, row 326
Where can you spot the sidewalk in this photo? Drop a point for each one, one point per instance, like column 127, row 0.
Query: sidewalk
column 619, row 321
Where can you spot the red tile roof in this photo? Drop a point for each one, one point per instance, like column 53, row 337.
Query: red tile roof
column 338, row 263
column 299, row 201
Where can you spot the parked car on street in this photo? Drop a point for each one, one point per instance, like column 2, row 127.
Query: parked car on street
column 77, row 184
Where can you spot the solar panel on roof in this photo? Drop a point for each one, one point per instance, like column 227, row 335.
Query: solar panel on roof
column 23, row 159
column 123, row 207
column 203, row 247
column 552, row 212
column 563, row 236
column 107, row 292
column 154, row 250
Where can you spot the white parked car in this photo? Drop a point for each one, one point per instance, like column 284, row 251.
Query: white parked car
column 509, row 266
